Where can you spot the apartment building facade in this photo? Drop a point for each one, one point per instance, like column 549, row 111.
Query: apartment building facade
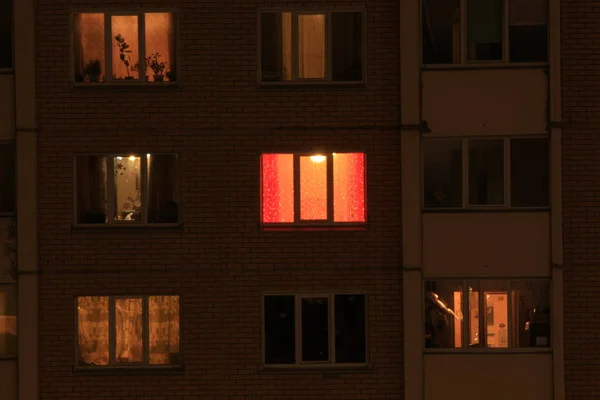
column 290, row 200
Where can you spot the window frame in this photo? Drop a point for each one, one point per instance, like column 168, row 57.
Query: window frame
column 328, row 80
column 112, row 328
column 299, row 364
column 507, row 184
column 111, row 192
column 108, row 43
column 508, row 282
column 13, row 284
column 329, row 222
column 464, row 61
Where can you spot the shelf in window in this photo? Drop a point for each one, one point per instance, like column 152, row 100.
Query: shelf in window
column 131, row 370
column 127, row 226
column 126, row 84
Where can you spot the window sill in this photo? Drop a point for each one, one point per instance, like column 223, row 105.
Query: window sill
column 8, row 357
column 325, row 369
column 488, row 351
column 126, row 226
column 313, row 227
column 131, row 370
column 485, row 65
column 124, row 83
column 483, row 209
column 313, row 84
column 7, row 71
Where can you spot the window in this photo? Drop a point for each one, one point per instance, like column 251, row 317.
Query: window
column 127, row 189
column 127, row 47
column 128, row 331
column 493, row 31
column 7, row 178
column 8, row 320
column 6, row 34
column 314, row 329
column 313, row 189
column 312, row 46
column 493, row 314
column 503, row 172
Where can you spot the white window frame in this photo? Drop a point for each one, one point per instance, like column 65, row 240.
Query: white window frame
column 330, row 191
column 508, row 284
column 299, row 363
column 464, row 61
column 112, row 332
column 109, row 42
column 111, row 191
column 328, row 44
column 465, row 174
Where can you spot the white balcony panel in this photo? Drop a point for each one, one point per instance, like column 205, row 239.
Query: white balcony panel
column 485, row 101
column 481, row 244
column 488, row 376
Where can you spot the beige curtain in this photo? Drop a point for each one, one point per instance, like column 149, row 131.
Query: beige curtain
column 311, row 46
column 286, row 42
column 160, row 39
column 164, row 330
column 92, row 327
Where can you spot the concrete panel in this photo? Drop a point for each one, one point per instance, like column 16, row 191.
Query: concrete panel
column 486, row 244
column 488, row 376
column 485, row 101
column 7, row 107
column 8, row 379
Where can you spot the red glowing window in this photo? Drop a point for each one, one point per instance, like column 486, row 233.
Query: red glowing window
column 313, row 188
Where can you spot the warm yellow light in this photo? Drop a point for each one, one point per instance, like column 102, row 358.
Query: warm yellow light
column 131, row 158
column 148, row 155
column 119, row 158
column 317, row 159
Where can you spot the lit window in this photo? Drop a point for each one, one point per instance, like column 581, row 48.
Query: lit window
column 312, row 46
column 314, row 329
column 131, row 57
column 133, row 330
column 127, row 189
column 482, row 36
column 313, row 188
column 8, row 319
column 495, row 314
column 471, row 173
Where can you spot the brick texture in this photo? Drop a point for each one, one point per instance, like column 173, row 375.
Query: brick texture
column 581, row 196
column 219, row 121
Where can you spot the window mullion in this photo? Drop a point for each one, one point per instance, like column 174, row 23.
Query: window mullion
column 331, row 326
column 330, row 188
column 110, row 188
column 298, row 328
column 466, row 313
column 507, row 182
column 505, row 32
column 297, row 197
column 509, row 318
column 142, row 47
column 146, row 329
column 112, row 331
column 465, row 172
column 295, row 57
column 144, row 195
column 482, row 315
column 108, row 45
column 463, row 31
column 328, row 45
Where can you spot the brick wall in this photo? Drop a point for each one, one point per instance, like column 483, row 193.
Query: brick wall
column 219, row 121
column 581, row 196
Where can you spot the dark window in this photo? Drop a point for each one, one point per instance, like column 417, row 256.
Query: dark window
column 441, row 31
column 7, row 177
column 528, row 31
column 486, row 172
column 310, row 332
column 319, row 46
column 529, row 178
column 484, row 30
column 442, row 165
column 6, row 34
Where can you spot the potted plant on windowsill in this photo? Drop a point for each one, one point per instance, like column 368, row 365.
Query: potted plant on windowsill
column 156, row 66
column 124, row 54
column 93, row 70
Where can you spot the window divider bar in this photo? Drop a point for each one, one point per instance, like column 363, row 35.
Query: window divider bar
column 505, row 32
column 482, row 315
column 146, row 329
column 110, row 188
column 144, row 187
column 328, row 46
column 330, row 188
column 142, row 48
column 463, row 31
column 108, row 49
column 297, row 195
column 510, row 315
column 295, row 57
column 112, row 331
column 466, row 313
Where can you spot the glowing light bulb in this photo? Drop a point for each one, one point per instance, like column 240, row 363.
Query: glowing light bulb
column 148, row 155
column 131, row 158
column 317, row 159
column 119, row 158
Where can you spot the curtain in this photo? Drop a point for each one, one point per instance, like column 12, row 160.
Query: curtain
column 160, row 39
column 129, row 328
column 277, row 188
column 311, row 46
column 349, row 187
column 164, row 330
column 92, row 327
column 91, row 189
column 162, row 176
column 286, row 42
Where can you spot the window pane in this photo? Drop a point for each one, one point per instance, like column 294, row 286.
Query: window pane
column 270, row 46
column 441, row 31
column 128, row 191
column 160, row 46
column 280, row 330
column 7, row 177
column 528, row 31
column 128, row 320
column 6, row 36
column 313, row 187
column 486, row 172
column 496, row 324
column 92, row 328
column 311, row 46
column 349, row 187
column 347, row 46
column 315, row 329
column 88, row 46
column 443, row 314
column 473, row 309
column 125, row 52
column 531, row 313
column 277, row 188
column 91, row 189
column 163, row 185
column 350, row 336
column 442, row 173
column 529, row 172
column 484, row 29
column 164, row 330
column 8, row 320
